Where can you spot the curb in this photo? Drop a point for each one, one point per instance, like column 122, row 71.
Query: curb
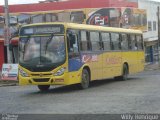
column 5, row 85
column 154, row 66
column 151, row 68
column 8, row 83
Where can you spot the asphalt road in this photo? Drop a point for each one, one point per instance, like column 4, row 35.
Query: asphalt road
column 139, row 94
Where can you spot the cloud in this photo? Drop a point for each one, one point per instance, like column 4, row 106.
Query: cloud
column 11, row 2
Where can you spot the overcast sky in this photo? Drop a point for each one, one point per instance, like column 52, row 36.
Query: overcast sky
column 10, row 2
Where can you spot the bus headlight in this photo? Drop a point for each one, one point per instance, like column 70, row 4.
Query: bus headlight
column 60, row 71
column 23, row 73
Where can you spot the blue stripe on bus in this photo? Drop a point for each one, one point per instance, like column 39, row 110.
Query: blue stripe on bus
column 75, row 64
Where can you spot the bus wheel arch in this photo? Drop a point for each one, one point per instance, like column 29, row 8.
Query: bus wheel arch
column 89, row 71
column 85, row 78
column 125, row 63
column 125, row 72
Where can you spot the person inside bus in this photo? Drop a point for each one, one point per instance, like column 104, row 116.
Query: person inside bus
column 73, row 45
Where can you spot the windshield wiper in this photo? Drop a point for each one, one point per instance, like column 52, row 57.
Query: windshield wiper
column 48, row 41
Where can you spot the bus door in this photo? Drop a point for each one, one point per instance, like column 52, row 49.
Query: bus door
column 73, row 51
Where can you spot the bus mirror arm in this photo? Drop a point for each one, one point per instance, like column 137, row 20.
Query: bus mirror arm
column 10, row 47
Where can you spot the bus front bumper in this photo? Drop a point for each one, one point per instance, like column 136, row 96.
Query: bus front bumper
column 41, row 81
column 65, row 79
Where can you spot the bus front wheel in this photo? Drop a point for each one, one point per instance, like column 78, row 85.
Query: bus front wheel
column 85, row 80
column 43, row 87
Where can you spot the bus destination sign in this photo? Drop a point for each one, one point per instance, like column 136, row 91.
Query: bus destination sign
column 57, row 29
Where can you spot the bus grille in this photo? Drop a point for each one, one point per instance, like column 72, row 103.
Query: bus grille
column 45, row 74
column 41, row 80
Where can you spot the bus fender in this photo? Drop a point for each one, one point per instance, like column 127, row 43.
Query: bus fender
column 86, row 66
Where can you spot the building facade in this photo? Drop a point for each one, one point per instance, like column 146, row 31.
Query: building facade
column 113, row 13
column 78, row 11
column 151, row 35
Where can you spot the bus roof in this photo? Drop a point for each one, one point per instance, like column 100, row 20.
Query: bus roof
column 89, row 27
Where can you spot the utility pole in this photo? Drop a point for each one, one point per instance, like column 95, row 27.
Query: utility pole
column 7, row 38
column 158, row 15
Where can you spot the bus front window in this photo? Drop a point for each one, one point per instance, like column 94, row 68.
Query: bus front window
column 42, row 50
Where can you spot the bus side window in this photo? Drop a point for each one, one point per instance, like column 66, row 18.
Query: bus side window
column 133, row 42
column 106, row 41
column 95, row 41
column 115, row 40
column 124, row 42
column 84, row 42
column 139, row 42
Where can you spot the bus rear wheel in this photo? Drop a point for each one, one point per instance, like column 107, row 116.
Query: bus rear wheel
column 85, row 79
column 43, row 87
column 124, row 75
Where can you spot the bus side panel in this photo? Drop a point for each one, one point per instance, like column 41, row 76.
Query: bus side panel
column 131, row 59
column 94, row 61
column 112, row 64
column 141, row 61
column 96, row 67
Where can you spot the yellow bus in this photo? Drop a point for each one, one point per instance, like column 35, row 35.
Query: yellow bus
column 67, row 53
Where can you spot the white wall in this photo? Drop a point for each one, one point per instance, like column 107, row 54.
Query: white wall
column 151, row 7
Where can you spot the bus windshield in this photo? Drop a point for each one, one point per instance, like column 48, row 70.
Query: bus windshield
column 42, row 50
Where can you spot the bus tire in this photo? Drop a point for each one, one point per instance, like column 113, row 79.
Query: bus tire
column 43, row 87
column 124, row 75
column 85, row 79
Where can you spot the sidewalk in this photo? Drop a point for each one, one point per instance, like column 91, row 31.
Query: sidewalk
column 8, row 83
column 152, row 66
